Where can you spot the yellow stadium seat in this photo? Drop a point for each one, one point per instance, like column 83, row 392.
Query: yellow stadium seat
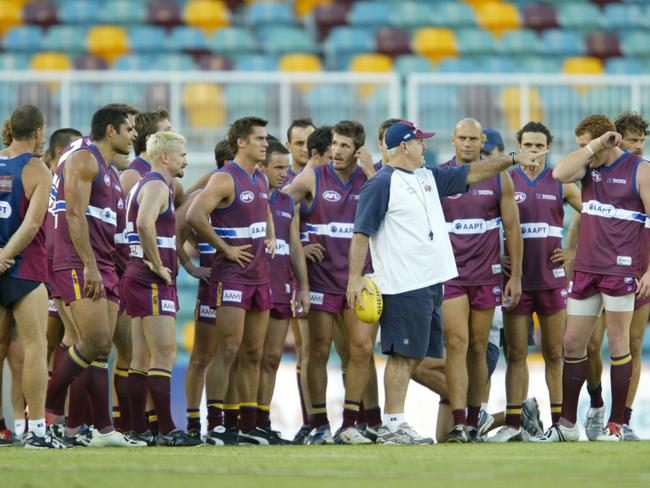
column 369, row 63
column 497, row 17
column 300, row 63
column 11, row 15
column 580, row 65
column 108, row 42
column 435, row 43
column 510, row 101
column 475, row 3
column 204, row 104
column 207, row 14
column 49, row 61
column 305, row 7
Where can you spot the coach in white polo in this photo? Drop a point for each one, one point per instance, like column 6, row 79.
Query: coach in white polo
column 399, row 215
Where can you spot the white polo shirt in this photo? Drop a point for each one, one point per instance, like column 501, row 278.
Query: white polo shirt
column 400, row 210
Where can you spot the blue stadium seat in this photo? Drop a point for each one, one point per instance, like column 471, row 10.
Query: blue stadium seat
column 122, row 92
column 319, row 103
column 518, row 42
column 584, row 17
column 66, row 38
column 497, row 64
column 411, row 15
column 79, row 11
column 369, row 14
column 244, row 100
column 611, row 100
column 636, row 43
column 26, row 38
column 623, row 16
column 475, row 41
column 130, row 62
column 349, row 40
column 439, row 106
column 283, row 40
column 231, row 41
column 538, row 64
column 412, row 63
column 123, row 12
column 453, row 15
column 147, row 38
column 623, row 66
column 262, row 13
column 562, row 42
column 256, row 62
column 183, row 38
column 174, row 62
column 12, row 61
column 457, row 65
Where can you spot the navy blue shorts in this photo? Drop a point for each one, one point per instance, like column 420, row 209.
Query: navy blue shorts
column 411, row 323
column 13, row 289
column 492, row 358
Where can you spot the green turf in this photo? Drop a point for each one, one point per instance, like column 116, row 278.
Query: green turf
column 523, row 465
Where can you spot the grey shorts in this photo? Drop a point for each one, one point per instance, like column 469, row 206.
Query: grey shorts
column 411, row 323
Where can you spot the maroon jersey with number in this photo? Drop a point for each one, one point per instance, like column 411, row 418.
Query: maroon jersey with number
column 613, row 218
column 473, row 222
column 282, row 208
column 243, row 222
column 330, row 222
column 541, row 213
column 101, row 213
column 140, row 165
column 165, row 234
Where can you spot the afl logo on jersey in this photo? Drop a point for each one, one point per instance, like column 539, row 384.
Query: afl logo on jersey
column 247, row 196
column 107, row 180
column 520, row 197
column 596, row 176
column 331, row 196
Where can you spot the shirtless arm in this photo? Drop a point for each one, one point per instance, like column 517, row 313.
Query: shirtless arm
column 183, row 233
column 643, row 187
column 128, row 179
column 514, row 241
column 152, row 201
column 298, row 263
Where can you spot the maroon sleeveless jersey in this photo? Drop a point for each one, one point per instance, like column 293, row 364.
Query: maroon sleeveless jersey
column 473, row 222
column 243, row 222
column 541, row 213
column 330, row 222
column 121, row 244
column 101, row 213
column 613, row 218
column 282, row 208
column 165, row 234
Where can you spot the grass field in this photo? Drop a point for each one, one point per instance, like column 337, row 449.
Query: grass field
column 522, row 465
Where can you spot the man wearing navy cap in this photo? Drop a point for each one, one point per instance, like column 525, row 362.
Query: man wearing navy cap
column 493, row 145
column 399, row 216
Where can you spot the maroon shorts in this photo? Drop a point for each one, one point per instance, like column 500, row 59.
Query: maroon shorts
column 479, row 296
column 71, row 284
column 241, row 295
column 640, row 303
column 281, row 311
column 149, row 299
column 52, row 286
column 328, row 302
column 51, row 309
column 544, row 302
column 586, row 285
column 203, row 312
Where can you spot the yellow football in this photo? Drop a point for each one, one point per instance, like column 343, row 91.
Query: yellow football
column 372, row 304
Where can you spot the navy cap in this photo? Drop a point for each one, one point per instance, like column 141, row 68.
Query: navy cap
column 492, row 140
column 404, row 131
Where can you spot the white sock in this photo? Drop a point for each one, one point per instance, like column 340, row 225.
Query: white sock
column 392, row 421
column 37, row 427
column 19, row 427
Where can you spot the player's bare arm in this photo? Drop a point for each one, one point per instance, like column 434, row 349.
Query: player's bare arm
column 573, row 166
column 128, row 179
column 218, row 193
column 37, row 180
column 200, row 183
column 566, row 256
column 152, row 201
column 514, row 241
column 80, row 171
column 183, row 234
column 269, row 239
column 643, row 187
column 179, row 193
column 299, row 264
column 487, row 168
column 357, row 259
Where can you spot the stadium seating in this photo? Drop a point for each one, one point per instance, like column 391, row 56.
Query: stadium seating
column 497, row 17
column 473, row 42
column 328, row 16
column 165, row 13
column 108, row 42
column 84, row 12
column 122, row 12
column 40, row 13
column 413, row 15
column 147, row 38
column 285, row 40
column 521, row 42
column 214, row 62
column 603, row 45
column 206, row 14
column 580, row 65
column 10, row 16
column 256, row 62
column 412, row 63
column 66, row 38
column 583, row 17
column 90, row 62
column 540, row 16
column 435, row 43
column 48, row 61
column 204, row 105
column 369, row 14
column 300, row 63
column 231, row 41
column 393, row 41
column 24, row 38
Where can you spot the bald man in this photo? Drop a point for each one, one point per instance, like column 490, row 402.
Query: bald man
column 473, row 222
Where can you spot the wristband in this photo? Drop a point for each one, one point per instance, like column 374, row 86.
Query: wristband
column 512, row 155
column 588, row 147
